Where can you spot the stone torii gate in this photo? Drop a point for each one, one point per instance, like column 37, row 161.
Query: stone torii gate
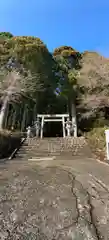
column 42, row 118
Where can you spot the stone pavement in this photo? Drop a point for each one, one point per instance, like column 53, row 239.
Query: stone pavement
column 54, row 199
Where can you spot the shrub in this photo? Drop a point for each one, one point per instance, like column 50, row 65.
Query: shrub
column 8, row 142
column 96, row 139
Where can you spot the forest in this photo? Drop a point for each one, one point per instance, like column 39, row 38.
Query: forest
column 34, row 80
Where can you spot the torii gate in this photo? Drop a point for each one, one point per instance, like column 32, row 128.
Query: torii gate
column 54, row 118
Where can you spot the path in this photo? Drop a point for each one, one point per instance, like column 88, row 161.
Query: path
column 57, row 199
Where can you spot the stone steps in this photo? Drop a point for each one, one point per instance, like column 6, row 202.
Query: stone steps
column 61, row 148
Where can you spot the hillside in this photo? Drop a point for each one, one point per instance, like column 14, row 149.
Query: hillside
column 33, row 54
column 94, row 79
column 82, row 77
column 94, row 68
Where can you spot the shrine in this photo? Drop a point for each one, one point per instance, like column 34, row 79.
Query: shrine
column 68, row 127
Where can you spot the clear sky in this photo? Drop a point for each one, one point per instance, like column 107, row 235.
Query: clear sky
column 82, row 24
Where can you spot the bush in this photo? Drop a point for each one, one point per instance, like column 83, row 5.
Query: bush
column 96, row 139
column 9, row 141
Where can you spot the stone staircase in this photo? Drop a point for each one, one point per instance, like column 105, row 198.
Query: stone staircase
column 53, row 148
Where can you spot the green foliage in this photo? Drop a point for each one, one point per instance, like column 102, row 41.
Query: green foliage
column 36, row 62
column 67, row 70
column 43, row 72
column 6, row 35
column 64, row 50
column 79, row 78
column 27, row 77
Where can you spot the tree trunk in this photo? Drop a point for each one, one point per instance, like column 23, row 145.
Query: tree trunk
column 27, row 117
column 3, row 112
column 18, row 120
column 14, row 119
column 35, row 112
column 69, row 108
column 10, row 119
column 74, row 119
column 23, row 120
column 21, row 116
column 6, row 117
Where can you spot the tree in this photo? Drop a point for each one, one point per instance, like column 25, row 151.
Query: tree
column 15, row 88
column 31, row 58
column 67, row 70
column 33, row 55
column 5, row 35
column 94, row 83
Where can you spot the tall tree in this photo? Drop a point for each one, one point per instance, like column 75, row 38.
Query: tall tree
column 94, row 83
column 33, row 55
column 30, row 58
column 5, row 35
column 67, row 70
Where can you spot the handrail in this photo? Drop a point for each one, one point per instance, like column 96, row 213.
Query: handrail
column 16, row 149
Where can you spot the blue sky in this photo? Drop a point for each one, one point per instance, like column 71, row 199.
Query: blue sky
column 82, row 24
